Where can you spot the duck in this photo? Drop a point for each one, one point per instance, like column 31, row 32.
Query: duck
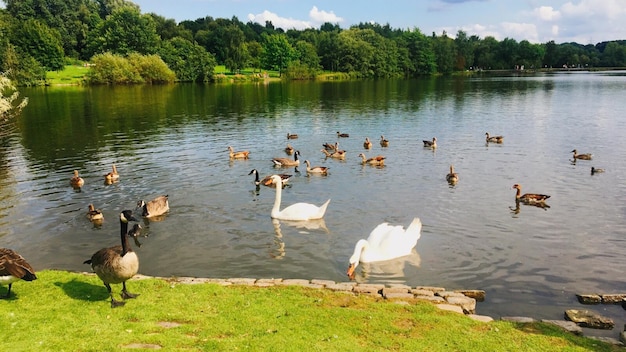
column 286, row 161
column 342, row 135
column 292, row 136
column 331, row 147
column 238, row 155
column 493, row 139
column 297, row 211
column 158, row 206
column 580, row 156
column 596, row 171
column 94, row 215
column 113, row 175
column 385, row 242
column 383, row 142
column 338, row 154
column 430, row 144
column 76, row 181
column 367, row 144
column 528, row 197
column 322, row 170
column 289, row 149
column 13, row 267
column 117, row 264
column 452, row 177
column 267, row 180
column 376, row 160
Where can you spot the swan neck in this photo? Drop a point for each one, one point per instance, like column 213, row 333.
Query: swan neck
column 279, row 193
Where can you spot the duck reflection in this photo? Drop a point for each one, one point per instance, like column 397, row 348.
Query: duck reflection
column 389, row 269
column 517, row 208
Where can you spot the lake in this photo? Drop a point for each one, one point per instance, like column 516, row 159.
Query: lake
column 173, row 140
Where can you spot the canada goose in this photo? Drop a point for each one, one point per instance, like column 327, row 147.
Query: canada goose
column 529, row 197
column 452, row 177
column 113, row 175
column 116, row 264
column 158, row 206
column 367, row 144
column 385, row 242
column 322, row 170
column 494, row 139
column 431, row 144
column 595, row 171
column 292, row 136
column 238, row 155
column 377, row 160
column 331, row 147
column 267, row 180
column 289, row 149
column 295, row 212
column 13, row 267
column 580, row 156
column 94, row 215
column 338, row 154
column 383, row 142
column 342, row 135
column 286, row 161
column 77, row 181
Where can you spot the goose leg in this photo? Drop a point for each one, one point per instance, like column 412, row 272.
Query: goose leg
column 8, row 292
column 114, row 303
column 126, row 294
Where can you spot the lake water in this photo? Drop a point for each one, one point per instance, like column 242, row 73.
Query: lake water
column 173, row 140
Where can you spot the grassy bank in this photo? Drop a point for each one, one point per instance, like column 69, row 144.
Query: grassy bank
column 71, row 311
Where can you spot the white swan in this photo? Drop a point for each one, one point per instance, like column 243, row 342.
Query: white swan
column 385, row 242
column 298, row 211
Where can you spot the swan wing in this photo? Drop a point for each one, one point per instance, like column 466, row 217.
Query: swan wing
column 300, row 212
column 388, row 242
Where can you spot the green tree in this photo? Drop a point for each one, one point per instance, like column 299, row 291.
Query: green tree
column 190, row 61
column 614, row 55
column 123, row 32
column 111, row 68
column 40, row 42
column 235, row 51
column 328, row 49
column 464, row 51
column 485, row 53
column 307, row 55
column 530, row 55
column 420, row 53
column 277, row 52
column 255, row 50
column 443, row 47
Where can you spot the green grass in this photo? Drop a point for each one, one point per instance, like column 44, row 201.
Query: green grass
column 72, row 74
column 65, row 311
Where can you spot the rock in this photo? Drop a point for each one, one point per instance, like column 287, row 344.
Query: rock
column 446, row 294
column 371, row 289
column 622, row 337
column 468, row 304
column 589, row 319
column 242, row 281
column 478, row 295
column 518, row 319
column 567, row 325
column 434, row 299
column 589, row 299
column 295, row 282
column 609, row 340
column 483, row 318
column 450, row 307
column 342, row 286
column 322, row 282
column 613, row 298
column 397, row 295
column 419, row 292
column 388, row 290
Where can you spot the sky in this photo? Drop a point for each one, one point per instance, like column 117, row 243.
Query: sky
column 538, row 21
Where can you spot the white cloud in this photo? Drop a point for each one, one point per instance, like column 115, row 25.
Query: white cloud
column 547, row 13
column 514, row 30
column 317, row 18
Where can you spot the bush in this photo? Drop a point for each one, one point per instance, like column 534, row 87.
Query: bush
column 114, row 69
column 151, row 68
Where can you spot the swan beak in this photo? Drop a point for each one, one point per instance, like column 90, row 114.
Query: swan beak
column 350, row 271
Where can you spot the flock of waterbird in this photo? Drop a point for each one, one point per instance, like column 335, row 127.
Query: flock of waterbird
column 117, row 264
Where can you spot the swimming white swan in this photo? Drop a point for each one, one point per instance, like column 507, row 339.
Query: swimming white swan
column 385, row 242
column 295, row 212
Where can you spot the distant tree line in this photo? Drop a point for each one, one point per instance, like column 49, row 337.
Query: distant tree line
column 42, row 35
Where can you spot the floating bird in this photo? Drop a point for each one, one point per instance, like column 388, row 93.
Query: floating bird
column 430, row 144
column 367, row 144
column 376, row 160
column 494, row 139
column 529, row 197
column 452, row 177
column 113, row 175
column 286, row 161
column 342, row 135
column 289, row 149
column 331, row 147
column 77, row 181
column 267, row 180
column 94, row 215
column 116, row 264
column 385, row 242
column 292, row 136
column 323, row 170
column 13, row 267
column 238, row 155
column 383, row 142
column 297, row 211
column 580, row 156
column 338, row 154
column 158, row 206
column 595, row 171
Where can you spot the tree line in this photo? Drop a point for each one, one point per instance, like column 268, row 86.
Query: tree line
column 44, row 35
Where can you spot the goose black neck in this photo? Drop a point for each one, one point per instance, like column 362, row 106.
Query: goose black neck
column 123, row 232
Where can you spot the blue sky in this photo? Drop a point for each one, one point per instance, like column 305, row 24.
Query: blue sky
column 538, row 21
